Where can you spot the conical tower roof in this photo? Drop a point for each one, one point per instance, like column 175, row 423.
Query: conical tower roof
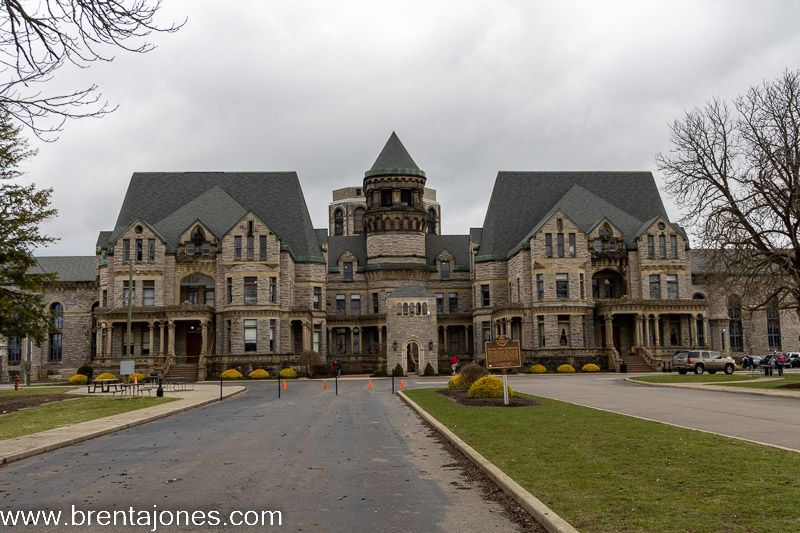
column 394, row 159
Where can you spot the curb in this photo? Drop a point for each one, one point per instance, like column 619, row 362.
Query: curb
column 711, row 386
column 543, row 514
column 99, row 433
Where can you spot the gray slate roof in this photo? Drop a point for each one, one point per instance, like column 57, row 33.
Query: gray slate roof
column 705, row 261
column 102, row 238
column 521, row 200
column 457, row 245
column 475, row 235
column 322, row 235
column 167, row 200
column 339, row 244
column 68, row 267
column 411, row 290
column 394, row 155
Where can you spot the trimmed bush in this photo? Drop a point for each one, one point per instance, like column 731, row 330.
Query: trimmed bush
column 379, row 372
column 139, row 377
column 537, row 369
column 86, row 370
column 429, row 371
column 78, row 379
column 288, row 373
column 488, row 387
column 231, row 373
column 590, row 367
column 455, row 383
column 258, row 373
column 398, row 370
column 566, row 369
column 470, row 374
column 106, row 375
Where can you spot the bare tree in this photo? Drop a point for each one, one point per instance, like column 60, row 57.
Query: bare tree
column 39, row 37
column 735, row 169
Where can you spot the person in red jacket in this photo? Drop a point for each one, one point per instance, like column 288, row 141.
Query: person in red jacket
column 454, row 363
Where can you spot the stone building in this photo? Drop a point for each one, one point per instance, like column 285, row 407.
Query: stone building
column 225, row 269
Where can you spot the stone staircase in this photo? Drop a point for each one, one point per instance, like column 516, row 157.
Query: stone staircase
column 636, row 363
column 182, row 372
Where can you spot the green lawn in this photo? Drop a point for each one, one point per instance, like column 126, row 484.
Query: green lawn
column 691, row 378
column 64, row 413
column 606, row 472
column 36, row 390
column 787, row 379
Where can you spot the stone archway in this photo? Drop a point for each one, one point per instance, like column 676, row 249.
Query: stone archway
column 413, row 357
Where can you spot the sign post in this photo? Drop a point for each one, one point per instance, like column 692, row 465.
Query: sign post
column 503, row 354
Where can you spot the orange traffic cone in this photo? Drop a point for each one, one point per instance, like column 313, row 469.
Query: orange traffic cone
column 284, row 385
column 369, row 384
column 324, row 385
column 402, row 385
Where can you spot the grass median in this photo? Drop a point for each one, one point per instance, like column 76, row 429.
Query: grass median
column 607, row 472
column 68, row 411
column 692, row 378
column 788, row 381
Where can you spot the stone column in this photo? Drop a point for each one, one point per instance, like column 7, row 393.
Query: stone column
column 152, row 327
column 161, row 339
column 109, row 335
column 203, row 338
column 657, row 326
column 99, row 341
column 446, row 343
column 706, row 332
column 380, row 338
column 171, row 340
column 609, row 330
column 693, row 331
column 647, row 331
column 306, row 336
column 638, row 330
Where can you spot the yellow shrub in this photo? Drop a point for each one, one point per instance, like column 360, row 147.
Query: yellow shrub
column 590, row 367
column 455, row 382
column 288, row 373
column 538, row 369
column 488, row 387
column 231, row 373
column 105, row 375
column 139, row 377
column 258, row 373
column 566, row 369
column 78, row 379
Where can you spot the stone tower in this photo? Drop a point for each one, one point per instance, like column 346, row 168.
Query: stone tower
column 395, row 220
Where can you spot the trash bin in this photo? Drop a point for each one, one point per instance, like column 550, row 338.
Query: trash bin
column 623, row 368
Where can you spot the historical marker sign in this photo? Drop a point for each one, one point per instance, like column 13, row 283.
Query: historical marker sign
column 503, row 353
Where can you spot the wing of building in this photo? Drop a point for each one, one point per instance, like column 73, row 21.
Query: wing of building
column 224, row 269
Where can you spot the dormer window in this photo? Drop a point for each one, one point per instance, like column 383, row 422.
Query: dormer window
column 445, row 269
column 190, row 248
column 606, row 242
column 198, row 236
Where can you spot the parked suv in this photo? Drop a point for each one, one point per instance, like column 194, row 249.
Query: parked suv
column 702, row 361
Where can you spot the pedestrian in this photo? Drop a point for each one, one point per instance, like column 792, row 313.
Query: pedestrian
column 333, row 368
column 338, row 369
column 746, row 362
column 454, row 364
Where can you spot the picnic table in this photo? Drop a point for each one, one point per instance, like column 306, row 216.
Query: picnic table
column 105, row 385
column 133, row 389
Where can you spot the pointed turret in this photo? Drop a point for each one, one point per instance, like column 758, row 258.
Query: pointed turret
column 394, row 160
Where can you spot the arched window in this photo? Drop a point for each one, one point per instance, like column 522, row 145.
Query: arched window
column 338, row 222
column 405, row 309
column 698, row 296
column 358, row 220
column 773, row 325
column 432, row 221
column 198, row 289
column 56, row 337
column 735, row 324
column 198, row 236
column 419, row 309
column 425, row 309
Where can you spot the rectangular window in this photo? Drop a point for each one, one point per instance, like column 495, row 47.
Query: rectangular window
column 317, row 299
column 347, row 271
column 228, row 340
column 229, row 290
column 151, row 249
column 273, row 290
column 341, row 303
column 125, row 343
column 651, row 246
column 149, row 293
column 250, row 335
column 548, row 244
column 317, row 337
column 126, row 291
column 440, row 303
column 189, row 250
column 355, row 304
column 672, row 287
column 774, row 327
column 598, row 245
column 562, row 286
column 452, row 299
column 582, row 289
column 486, row 332
column 145, row 340
column 262, row 247
column 563, row 330
column 237, row 247
column 206, row 250
column 139, row 250
column 560, row 244
column 655, row 286
column 485, row 299
column 14, row 351
column 540, row 330
column 673, row 245
column 126, row 250
column 376, row 304
column 273, row 334
column 250, row 290
column 445, row 269
column 250, row 247
column 572, row 250
column 105, row 298
column 662, row 246
column 540, row 286
column 584, row 331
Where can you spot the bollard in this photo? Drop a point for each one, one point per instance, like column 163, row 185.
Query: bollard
column 336, row 380
column 16, row 382
column 324, row 385
column 392, row 382
column 160, row 389
column 220, row 388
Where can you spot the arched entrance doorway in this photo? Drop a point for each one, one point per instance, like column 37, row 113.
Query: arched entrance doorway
column 412, row 357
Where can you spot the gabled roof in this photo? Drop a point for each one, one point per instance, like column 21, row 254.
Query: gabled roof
column 475, row 235
column 214, row 209
column 339, row 244
column 457, row 245
column 322, row 235
column 120, row 230
column 275, row 197
column 102, row 238
column 68, row 268
column 520, row 200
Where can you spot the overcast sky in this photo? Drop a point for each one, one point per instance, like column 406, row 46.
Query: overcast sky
column 470, row 87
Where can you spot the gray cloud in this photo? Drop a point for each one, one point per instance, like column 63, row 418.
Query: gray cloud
column 470, row 87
